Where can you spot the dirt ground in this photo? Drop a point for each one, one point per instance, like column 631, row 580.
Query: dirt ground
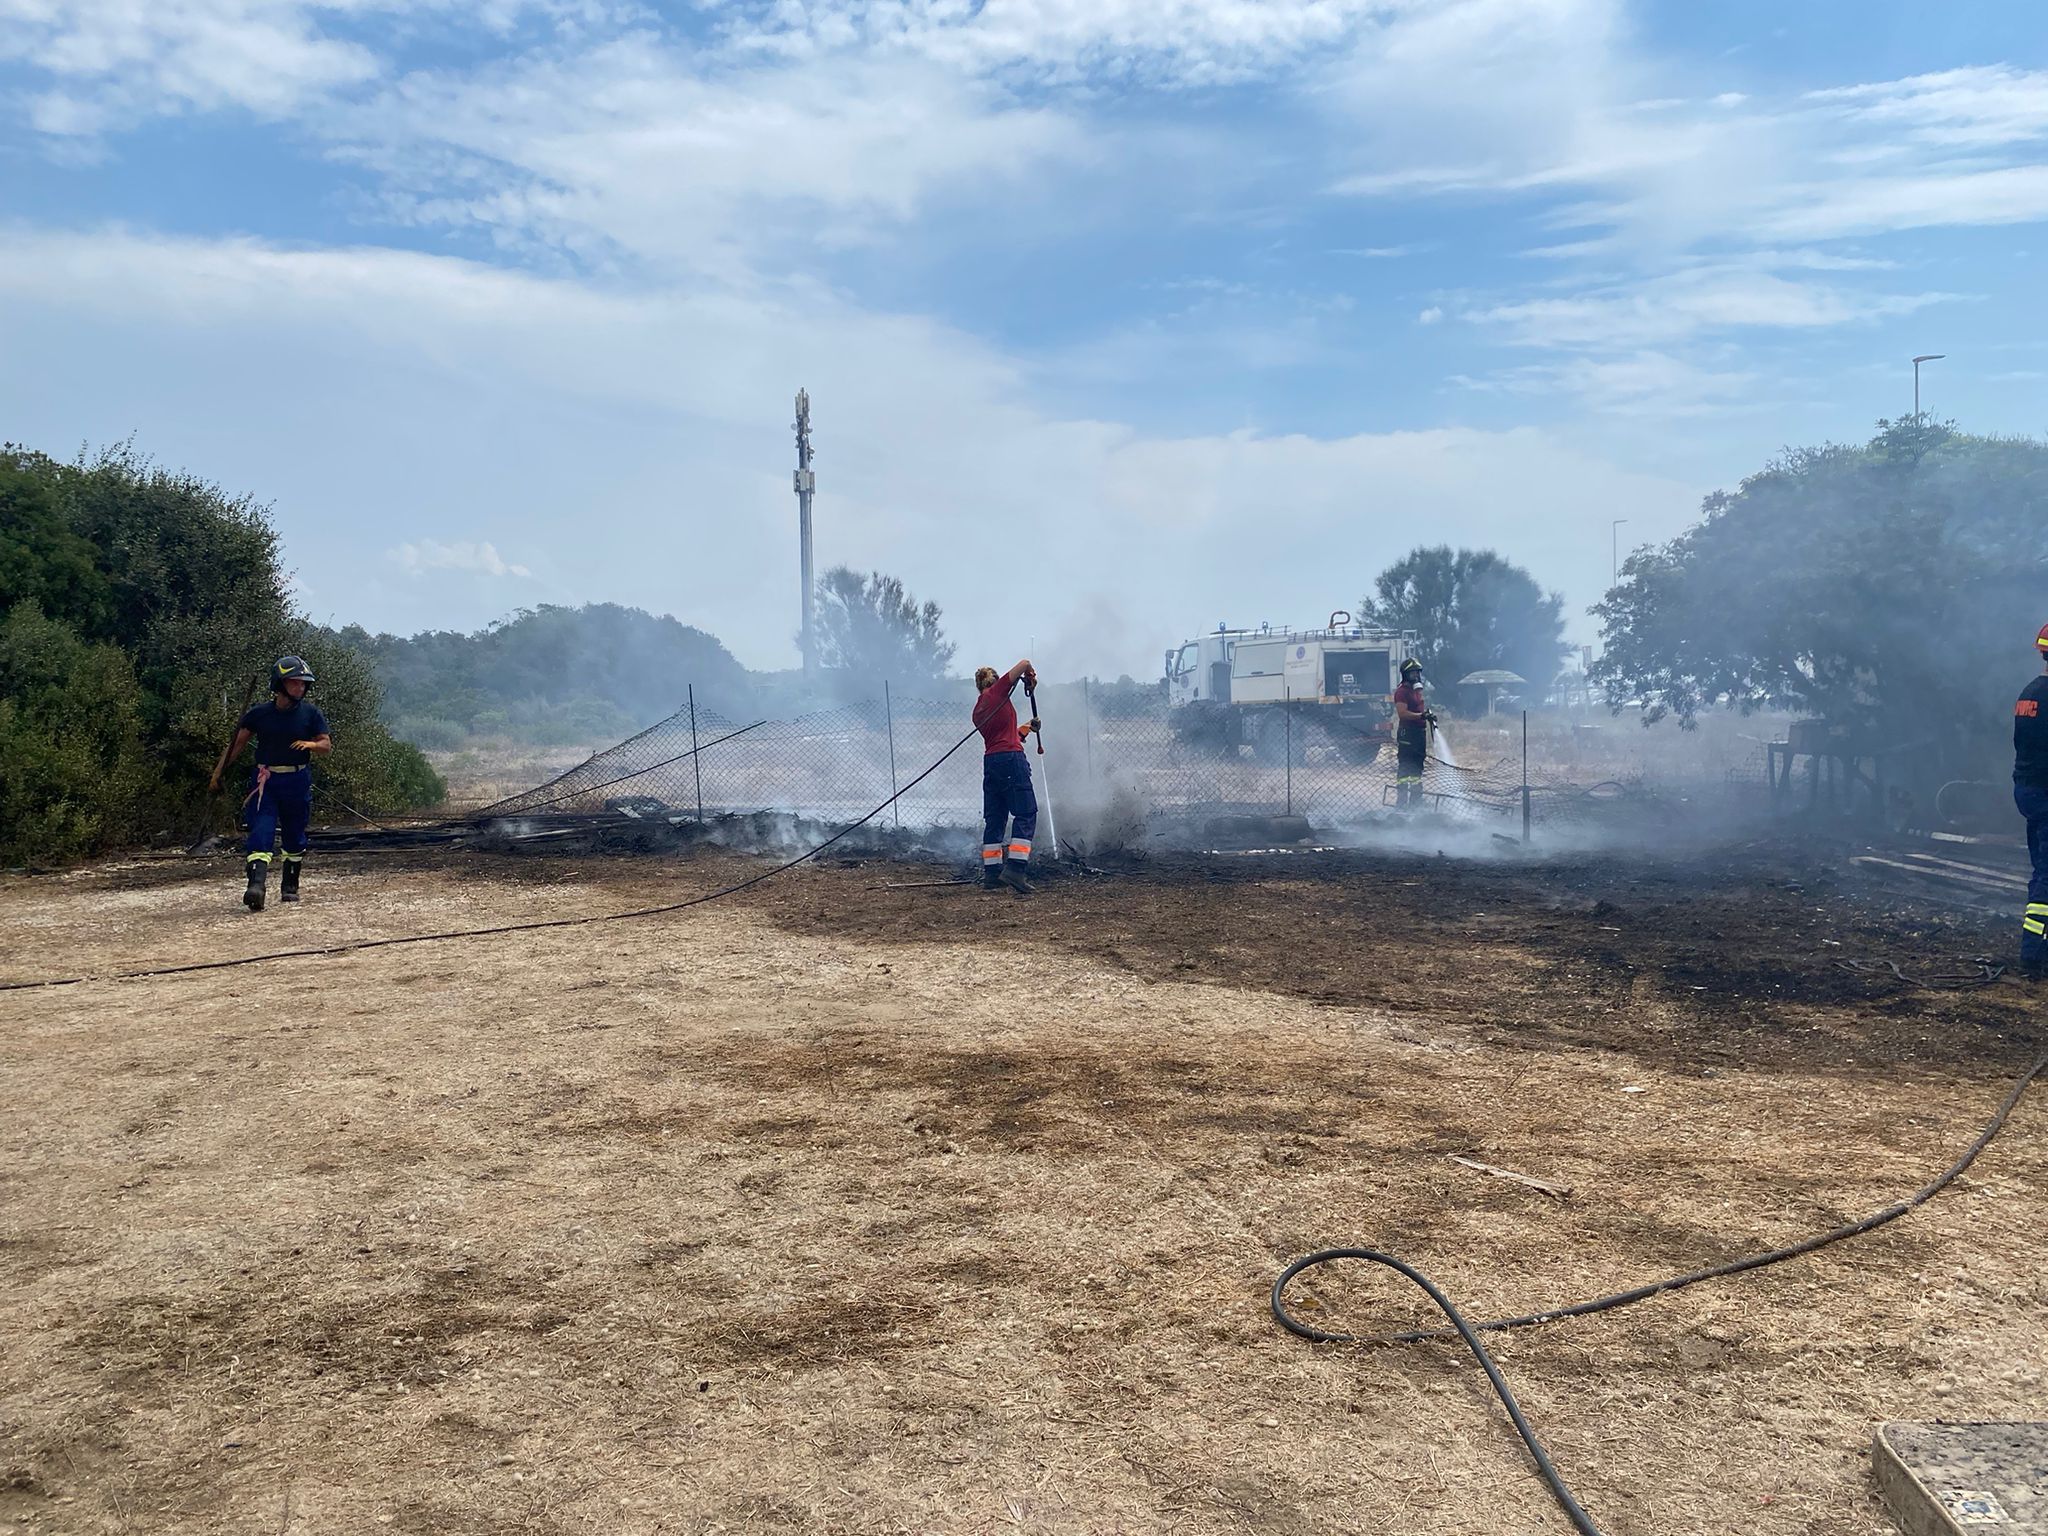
column 488, row 770
column 833, row 1208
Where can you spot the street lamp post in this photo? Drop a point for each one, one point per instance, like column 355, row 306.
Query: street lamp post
column 1614, row 551
column 1924, row 357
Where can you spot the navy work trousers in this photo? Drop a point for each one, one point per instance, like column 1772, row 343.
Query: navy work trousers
column 1007, row 797
column 280, row 801
column 2033, row 804
column 1411, row 751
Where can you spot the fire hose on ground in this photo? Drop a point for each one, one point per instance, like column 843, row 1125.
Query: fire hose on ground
column 528, row 927
column 1468, row 1332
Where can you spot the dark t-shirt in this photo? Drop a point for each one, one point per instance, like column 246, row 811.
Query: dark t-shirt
column 1410, row 733
column 276, row 729
column 2030, row 735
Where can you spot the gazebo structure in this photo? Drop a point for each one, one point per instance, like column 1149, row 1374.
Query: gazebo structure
column 1492, row 680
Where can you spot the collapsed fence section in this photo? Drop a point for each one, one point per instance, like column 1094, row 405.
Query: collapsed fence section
column 1115, row 772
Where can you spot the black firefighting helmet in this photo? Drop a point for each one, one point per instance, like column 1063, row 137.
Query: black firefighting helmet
column 287, row 668
column 1410, row 668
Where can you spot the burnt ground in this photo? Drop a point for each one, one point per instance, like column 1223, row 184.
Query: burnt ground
column 842, row 1208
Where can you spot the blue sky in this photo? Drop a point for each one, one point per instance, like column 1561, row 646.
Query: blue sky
column 1120, row 317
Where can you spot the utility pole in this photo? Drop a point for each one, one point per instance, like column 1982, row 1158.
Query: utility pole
column 1924, row 357
column 806, row 483
column 1614, row 551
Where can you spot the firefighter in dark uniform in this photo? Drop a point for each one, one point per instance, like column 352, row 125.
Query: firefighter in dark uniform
column 1412, row 720
column 2030, row 794
column 287, row 732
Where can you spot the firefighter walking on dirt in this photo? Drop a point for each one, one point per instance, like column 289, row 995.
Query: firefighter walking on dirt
column 1412, row 721
column 287, row 732
column 2030, row 794
column 1007, row 799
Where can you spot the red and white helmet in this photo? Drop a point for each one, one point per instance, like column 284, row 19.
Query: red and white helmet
column 2042, row 638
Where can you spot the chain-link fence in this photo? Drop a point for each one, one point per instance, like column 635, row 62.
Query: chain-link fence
column 1113, row 769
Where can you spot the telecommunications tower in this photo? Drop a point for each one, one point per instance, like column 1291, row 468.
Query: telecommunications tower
column 806, row 483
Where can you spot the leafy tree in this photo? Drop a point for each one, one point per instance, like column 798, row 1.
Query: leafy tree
column 1898, row 584
column 72, row 767
column 42, row 560
column 113, row 558
column 1471, row 611
column 872, row 629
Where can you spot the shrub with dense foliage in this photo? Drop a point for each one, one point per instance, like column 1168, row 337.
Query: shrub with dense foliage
column 1897, row 584
column 139, row 604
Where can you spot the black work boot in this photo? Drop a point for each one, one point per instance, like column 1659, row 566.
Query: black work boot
column 992, row 877
column 288, row 882
column 259, row 877
column 1014, row 877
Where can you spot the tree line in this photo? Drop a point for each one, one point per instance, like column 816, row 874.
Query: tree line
column 551, row 675
column 1895, row 583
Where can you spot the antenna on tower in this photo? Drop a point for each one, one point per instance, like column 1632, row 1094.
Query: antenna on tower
column 806, row 483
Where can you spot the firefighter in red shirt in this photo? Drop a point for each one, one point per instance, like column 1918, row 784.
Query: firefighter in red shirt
column 1412, row 720
column 1006, row 794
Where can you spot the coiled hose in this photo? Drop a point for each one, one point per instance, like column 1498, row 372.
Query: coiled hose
column 1469, row 1332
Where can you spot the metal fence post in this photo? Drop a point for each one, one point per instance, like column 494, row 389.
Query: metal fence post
column 696, row 762
column 1287, row 724
column 889, row 714
column 1088, row 729
column 1525, row 776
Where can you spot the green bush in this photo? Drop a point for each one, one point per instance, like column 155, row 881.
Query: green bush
column 378, row 775
column 140, row 607
column 73, row 776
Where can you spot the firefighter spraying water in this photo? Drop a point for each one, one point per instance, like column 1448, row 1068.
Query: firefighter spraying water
column 1414, row 721
column 1009, row 806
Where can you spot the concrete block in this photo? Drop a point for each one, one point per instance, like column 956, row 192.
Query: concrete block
column 1965, row 1479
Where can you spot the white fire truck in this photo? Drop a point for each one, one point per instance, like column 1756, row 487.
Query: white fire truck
column 1233, row 688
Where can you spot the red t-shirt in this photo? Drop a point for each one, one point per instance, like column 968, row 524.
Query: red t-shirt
column 996, row 718
column 1411, row 696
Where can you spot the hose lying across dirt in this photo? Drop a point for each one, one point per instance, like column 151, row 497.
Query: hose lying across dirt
column 528, row 927
column 1460, row 1328
column 1469, row 1332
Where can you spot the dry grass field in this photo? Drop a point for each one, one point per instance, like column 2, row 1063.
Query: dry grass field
column 835, row 1208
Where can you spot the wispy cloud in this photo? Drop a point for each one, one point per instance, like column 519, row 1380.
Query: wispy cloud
column 634, row 148
column 1688, row 304
column 1547, row 102
column 1710, row 214
column 110, row 64
column 1169, row 43
column 1641, row 383
column 1991, row 106
column 482, row 558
